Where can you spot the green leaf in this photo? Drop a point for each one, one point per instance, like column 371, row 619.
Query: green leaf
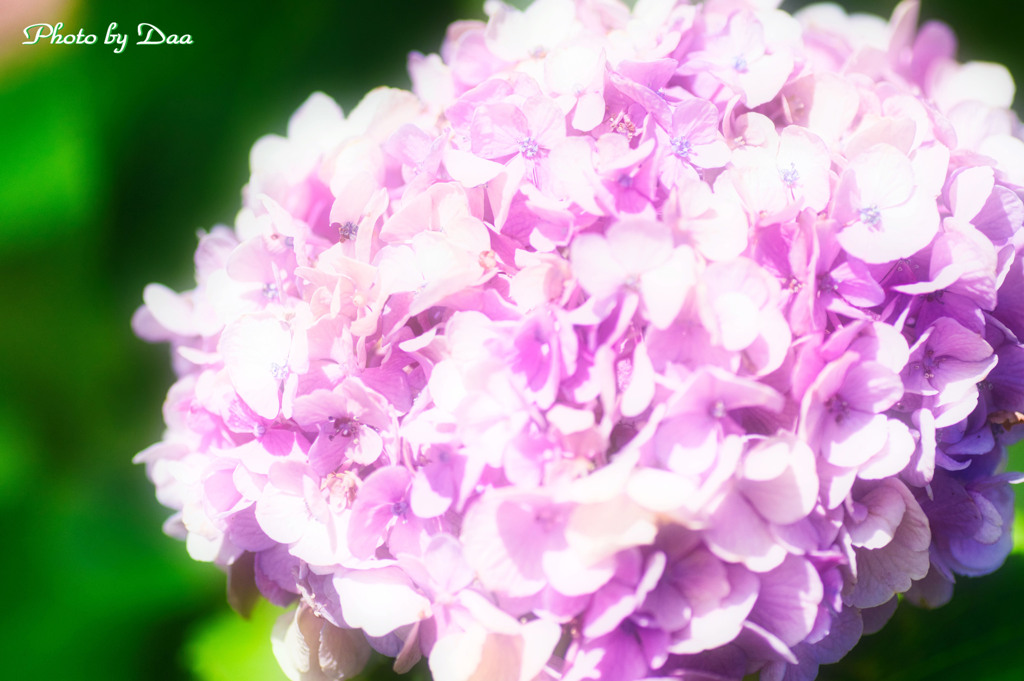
column 226, row 647
column 1016, row 463
column 50, row 138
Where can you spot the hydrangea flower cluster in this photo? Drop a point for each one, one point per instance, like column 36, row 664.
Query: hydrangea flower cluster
column 672, row 342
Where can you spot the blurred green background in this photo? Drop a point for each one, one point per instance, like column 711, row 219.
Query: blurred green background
column 109, row 163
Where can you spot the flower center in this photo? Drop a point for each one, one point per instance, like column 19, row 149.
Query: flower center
column 838, row 407
column 343, row 426
column 528, row 147
column 789, row 175
column 931, row 363
column 347, row 231
column 870, row 216
column 681, row 147
column 547, row 518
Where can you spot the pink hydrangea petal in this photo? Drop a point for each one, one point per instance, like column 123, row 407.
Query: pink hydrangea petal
column 595, row 265
column 740, row 535
column 256, row 357
column 724, row 623
column 889, row 570
column 362, row 592
column 787, row 600
column 780, row 481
